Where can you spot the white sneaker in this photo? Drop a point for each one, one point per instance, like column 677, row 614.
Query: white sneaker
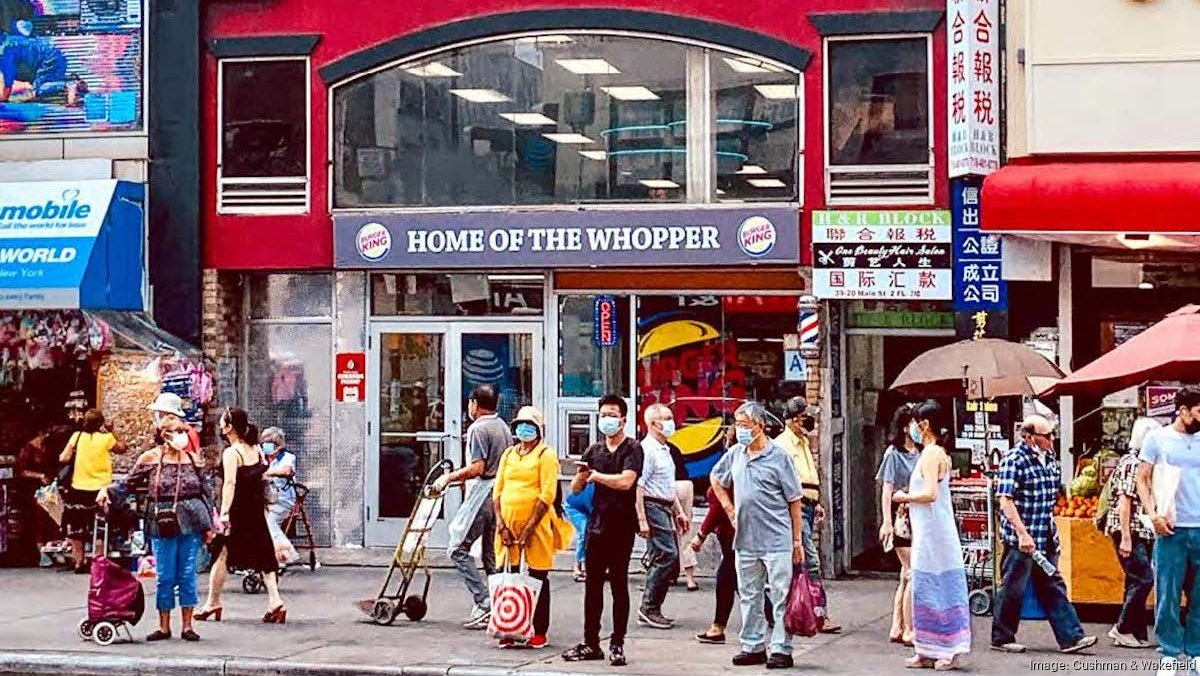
column 1126, row 640
column 479, row 618
column 1172, row 666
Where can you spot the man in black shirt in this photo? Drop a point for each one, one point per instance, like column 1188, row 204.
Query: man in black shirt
column 613, row 466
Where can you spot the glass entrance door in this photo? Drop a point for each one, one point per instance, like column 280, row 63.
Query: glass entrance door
column 424, row 373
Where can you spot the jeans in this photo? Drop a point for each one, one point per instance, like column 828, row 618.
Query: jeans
column 607, row 561
column 175, row 567
column 541, row 613
column 1018, row 571
column 663, row 551
column 812, row 558
column 578, row 519
column 484, row 526
column 1175, row 557
column 1139, row 581
column 770, row 575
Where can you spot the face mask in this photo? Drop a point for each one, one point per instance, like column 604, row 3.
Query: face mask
column 526, row 431
column 179, row 441
column 914, row 433
column 745, row 435
column 268, row 447
column 668, row 427
column 609, row 425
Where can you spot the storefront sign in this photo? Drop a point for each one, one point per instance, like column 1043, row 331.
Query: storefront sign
column 1160, row 400
column 978, row 273
column 892, row 319
column 882, row 254
column 350, row 378
column 606, row 327
column 558, row 239
column 72, row 66
column 795, row 368
column 973, row 34
column 71, row 244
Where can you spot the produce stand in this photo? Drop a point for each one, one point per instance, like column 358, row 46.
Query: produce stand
column 1088, row 563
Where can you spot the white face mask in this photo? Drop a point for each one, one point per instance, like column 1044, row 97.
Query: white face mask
column 179, row 441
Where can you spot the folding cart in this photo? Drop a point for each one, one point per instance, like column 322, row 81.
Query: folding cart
column 974, row 502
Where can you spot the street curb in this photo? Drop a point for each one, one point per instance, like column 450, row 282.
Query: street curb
column 39, row 663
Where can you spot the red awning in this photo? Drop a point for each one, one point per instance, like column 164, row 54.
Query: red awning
column 1093, row 197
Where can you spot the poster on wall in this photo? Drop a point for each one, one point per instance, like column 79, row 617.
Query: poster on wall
column 902, row 255
column 70, row 66
column 973, row 93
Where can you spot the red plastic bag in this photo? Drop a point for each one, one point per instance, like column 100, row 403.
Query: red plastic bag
column 805, row 612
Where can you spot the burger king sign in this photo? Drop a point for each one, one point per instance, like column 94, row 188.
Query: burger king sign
column 757, row 236
column 374, row 241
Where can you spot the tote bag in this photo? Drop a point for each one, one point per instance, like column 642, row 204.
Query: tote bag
column 514, row 598
column 1164, row 485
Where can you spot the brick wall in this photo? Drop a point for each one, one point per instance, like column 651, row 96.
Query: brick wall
column 222, row 339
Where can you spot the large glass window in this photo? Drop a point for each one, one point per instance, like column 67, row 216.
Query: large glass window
column 561, row 119
column 593, row 349
column 879, row 101
column 457, row 295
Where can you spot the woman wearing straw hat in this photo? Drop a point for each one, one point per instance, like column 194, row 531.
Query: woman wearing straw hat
column 167, row 407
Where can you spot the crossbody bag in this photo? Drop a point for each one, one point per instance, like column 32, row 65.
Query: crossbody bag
column 166, row 521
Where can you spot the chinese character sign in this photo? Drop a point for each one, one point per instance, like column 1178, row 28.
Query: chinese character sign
column 978, row 275
column 973, row 34
column 902, row 255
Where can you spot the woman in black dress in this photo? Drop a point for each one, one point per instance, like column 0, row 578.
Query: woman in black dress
column 247, row 539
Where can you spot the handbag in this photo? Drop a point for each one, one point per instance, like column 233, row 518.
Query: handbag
column 514, row 598
column 801, row 617
column 1164, row 485
column 902, row 524
column 166, row 521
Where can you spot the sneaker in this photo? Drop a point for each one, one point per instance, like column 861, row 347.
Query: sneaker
column 583, row 653
column 1080, row 645
column 479, row 618
column 538, row 642
column 653, row 619
column 749, row 659
column 45, row 561
column 1009, row 648
column 616, row 656
column 1126, row 640
column 780, row 661
column 711, row 639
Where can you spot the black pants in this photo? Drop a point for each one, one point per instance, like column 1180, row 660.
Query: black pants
column 541, row 614
column 1139, row 581
column 607, row 561
column 726, row 582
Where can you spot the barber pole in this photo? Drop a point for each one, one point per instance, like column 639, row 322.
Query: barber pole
column 810, row 325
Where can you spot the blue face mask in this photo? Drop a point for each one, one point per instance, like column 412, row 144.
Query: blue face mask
column 609, row 425
column 668, row 428
column 268, row 447
column 526, row 431
column 914, row 433
column 744, row 435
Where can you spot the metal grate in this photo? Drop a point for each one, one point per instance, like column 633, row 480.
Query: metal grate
column 262, row 195
column 288, row 386
column 881, row 184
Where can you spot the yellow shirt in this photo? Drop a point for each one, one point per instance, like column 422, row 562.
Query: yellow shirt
column 521, row 482
column 806, row 467
column 93, row 460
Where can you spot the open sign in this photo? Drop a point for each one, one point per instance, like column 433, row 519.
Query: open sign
column 606, row 331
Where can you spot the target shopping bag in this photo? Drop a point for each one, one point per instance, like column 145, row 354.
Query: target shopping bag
column 514, row 598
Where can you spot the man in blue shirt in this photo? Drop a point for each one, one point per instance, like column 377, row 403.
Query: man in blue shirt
column 34, row 60
column 1029, row 483
column 1177, row 526
column 766, row 509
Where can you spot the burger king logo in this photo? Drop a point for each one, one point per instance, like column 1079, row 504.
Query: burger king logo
column 757, row 235
column 373, row 241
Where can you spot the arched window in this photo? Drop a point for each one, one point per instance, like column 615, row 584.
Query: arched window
column 568, row 118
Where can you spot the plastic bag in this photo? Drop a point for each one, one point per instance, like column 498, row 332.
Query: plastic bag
column 805, row 612
column 50, row 498
column 514, row 598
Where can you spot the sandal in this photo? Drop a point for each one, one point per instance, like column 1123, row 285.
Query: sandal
column 946, row 665
column 918, row 662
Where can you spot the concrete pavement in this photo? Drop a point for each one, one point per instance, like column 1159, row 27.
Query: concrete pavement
column 326, row 634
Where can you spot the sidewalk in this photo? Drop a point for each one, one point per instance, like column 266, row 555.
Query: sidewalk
column 325, row 634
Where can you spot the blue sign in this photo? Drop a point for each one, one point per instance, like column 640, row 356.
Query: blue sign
column 70, row 245
column 978, row 269
column 606, row 331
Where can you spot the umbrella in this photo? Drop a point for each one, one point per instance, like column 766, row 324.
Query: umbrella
column 977, row 369
column 1169, row 350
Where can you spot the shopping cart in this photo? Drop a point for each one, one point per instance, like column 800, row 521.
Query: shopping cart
column 974, row 503
column 409, row 558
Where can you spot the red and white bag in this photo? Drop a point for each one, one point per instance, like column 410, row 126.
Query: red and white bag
column 514, row 598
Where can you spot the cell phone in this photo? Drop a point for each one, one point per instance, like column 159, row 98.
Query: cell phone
column 579, row 464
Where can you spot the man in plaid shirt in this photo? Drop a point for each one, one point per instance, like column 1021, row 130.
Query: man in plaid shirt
column 1029, row 484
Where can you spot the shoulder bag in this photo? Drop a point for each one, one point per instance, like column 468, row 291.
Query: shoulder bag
column 166, row 521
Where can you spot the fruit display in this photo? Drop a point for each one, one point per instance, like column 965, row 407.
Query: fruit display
column 1077, row 507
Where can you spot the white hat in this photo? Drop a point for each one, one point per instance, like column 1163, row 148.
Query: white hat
column 168, row 403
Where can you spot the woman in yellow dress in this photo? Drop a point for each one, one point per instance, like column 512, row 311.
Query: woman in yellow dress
column 528, row 520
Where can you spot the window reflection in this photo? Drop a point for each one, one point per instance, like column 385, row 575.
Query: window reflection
column 879, row 101
column 756, row 126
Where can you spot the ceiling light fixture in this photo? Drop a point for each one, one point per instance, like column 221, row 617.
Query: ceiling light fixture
column 545, row 40
column 742, row 64
column 569, row 139
column 750, row 170
column 433, row 69
column 1146, row 286
column 528, row 119
column 659, row 183
column 766, row 183
column 480, row 95
column 778, row 92
column 630, row 93
column 588, row 66
column 594, row 154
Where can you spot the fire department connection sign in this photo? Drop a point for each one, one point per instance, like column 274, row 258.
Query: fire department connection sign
column 882, row 255
column 973, row 34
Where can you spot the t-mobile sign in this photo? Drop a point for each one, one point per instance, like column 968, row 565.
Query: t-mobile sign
column 687, row 236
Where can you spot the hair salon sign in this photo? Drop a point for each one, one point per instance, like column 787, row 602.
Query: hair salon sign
column 561, row 239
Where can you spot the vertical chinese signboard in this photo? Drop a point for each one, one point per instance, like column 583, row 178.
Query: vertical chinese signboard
column 978, row 280
column 973, row 33
column 882, row 255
